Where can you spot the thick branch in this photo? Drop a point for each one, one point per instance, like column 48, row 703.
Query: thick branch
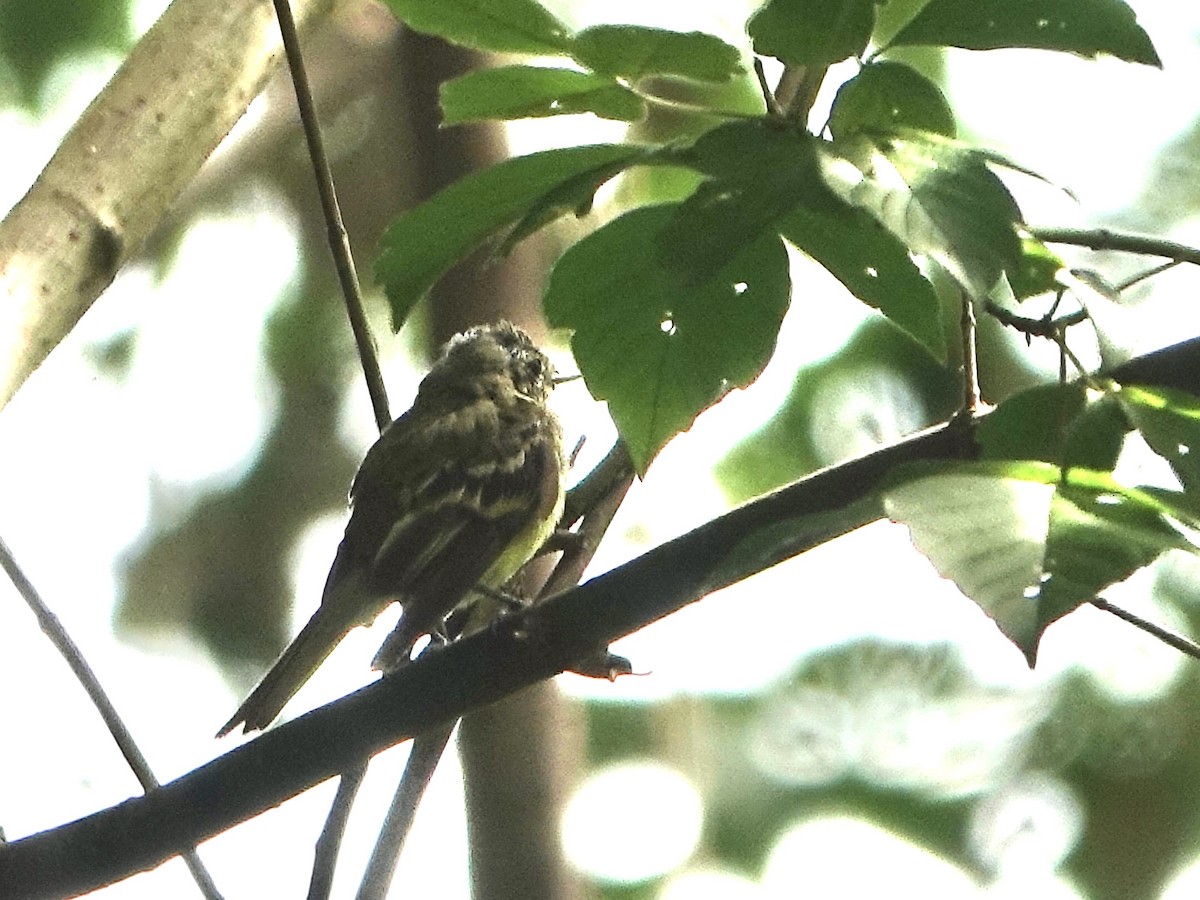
column 139, row 143
column 142, row 833
column 528, row 647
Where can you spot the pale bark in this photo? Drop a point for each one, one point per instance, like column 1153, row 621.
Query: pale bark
column 123, row 164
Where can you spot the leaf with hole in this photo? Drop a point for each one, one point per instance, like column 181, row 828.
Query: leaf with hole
column 1083, row 27
column 657, row 350
column 1170, row 422
column 937, row 196
column 873, row 265
column 886, row 96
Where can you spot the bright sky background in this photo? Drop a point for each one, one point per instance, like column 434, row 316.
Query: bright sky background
column 83, row 455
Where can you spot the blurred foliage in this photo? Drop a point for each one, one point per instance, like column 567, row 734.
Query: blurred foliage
column 36, row 35
column 821, row 411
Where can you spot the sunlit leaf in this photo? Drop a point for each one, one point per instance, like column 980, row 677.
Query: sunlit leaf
column 1029, row 542
column 939, row 197
column 1084, row 27
column 987, row 534
column 634, row 51
column 885, row 96
column 1096, row 539
column 525, row 92
column 1038, row 270
column 1170, row 423
column 504, row 26
column 657, row 350
column 812, row 32
column 427, row 240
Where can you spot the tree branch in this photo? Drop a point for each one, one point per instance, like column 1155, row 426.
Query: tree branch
column 140, row 142
column 521, row 650
column 1107, row 239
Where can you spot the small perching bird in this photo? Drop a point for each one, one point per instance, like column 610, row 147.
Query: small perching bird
column 459, row 492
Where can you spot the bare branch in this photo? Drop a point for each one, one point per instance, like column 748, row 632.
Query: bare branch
column 339, row 241
column 66, row 646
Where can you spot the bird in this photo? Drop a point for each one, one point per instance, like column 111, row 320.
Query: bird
column 455, row 496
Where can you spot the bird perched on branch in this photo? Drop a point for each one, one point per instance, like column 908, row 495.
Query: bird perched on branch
column 458, row 493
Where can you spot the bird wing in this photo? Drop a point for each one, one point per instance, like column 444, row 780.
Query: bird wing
column 479, row 524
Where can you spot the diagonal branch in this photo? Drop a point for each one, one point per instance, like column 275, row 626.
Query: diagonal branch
column 529, row 647
column 142, row 833
column 78, row 664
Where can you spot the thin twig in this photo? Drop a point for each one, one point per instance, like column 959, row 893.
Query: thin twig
column 1149, row 273
column 584, row 496
column 1175, row 641
column 339, row 242
column 970, row 359
column 601, row 509
column 773, row 106
column 70, row 651
column 1107, row 239
column 1044, row 326
column 325, row 857
column 575, row 559
column 329, row 843
column 423, row 758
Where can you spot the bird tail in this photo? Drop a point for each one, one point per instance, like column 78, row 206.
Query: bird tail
column 330, row 623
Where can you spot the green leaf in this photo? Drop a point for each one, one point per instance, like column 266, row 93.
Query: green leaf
column 756, row 172
column 504, row 26
column 526, row 92
column 427, row 240
column 873, row 265
column 986, row 532
column 812, row 32
column 1170, row 423
column 1056, row 423
column 1094, row 440
column 886, row 96
column 633, row 52
column 1032, row 424
column 1084, row 27
column 938, row 196
column 1096, row 539
column 658, row 351
column 1038, row 271
column 1029, row 543
column 576, row 195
